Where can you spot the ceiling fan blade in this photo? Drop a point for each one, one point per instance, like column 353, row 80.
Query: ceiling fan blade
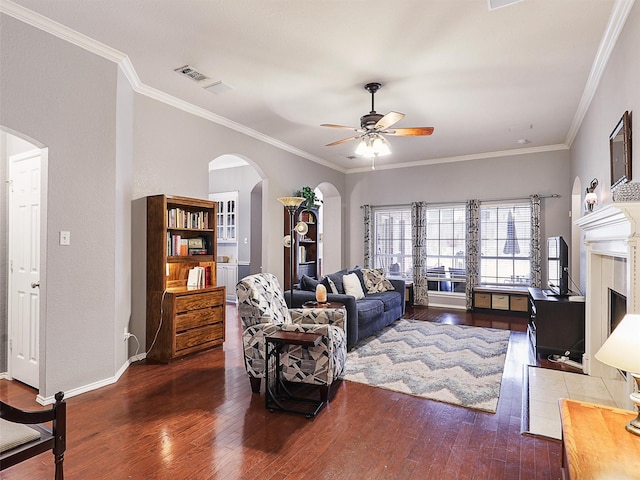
column 410, row 132
column 332, row 125
column 388, row 120
column 342, row 141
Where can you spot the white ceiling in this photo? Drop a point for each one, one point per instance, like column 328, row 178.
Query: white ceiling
column 483, row 78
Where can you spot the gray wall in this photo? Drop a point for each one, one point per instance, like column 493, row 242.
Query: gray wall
column 65, row 99
column 494, row 178
column 618, row 91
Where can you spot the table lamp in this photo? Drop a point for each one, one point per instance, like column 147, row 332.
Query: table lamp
column 622, row 351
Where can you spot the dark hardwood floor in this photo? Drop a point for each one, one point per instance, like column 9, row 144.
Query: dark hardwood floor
column 197, row 419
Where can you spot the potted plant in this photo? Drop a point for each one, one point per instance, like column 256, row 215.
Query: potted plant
column 311, row 201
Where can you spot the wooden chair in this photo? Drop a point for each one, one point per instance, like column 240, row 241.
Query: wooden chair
column 50, row 439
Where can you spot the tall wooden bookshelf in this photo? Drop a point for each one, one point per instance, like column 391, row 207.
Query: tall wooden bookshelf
column 305, row 255
column 181, row 235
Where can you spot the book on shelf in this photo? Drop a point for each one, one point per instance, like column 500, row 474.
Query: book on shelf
column 196, row 278
column 180, row 218
column 178, row 246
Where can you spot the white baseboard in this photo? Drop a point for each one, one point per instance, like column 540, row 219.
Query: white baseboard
column 92, row 386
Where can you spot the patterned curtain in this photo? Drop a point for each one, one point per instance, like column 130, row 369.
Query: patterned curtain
column 536, row 257
column 368, row 243
column 473, row 244
column 419, row 234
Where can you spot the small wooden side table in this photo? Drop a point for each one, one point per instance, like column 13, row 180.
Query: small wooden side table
column 322, row 305
column 277, row 396
column 595, row 444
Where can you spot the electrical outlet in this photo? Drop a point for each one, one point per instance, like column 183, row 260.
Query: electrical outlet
column 65, row 237
column 126, row 335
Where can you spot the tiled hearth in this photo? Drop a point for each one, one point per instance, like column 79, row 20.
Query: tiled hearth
column 612, row 241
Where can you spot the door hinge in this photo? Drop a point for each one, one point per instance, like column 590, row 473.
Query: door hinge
column 10, row 344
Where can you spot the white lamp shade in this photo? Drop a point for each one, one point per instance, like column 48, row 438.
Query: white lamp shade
column 622, row 349
column 591, row 198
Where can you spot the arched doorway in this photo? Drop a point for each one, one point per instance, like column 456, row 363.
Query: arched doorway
column 237, row 184
column 330, row 228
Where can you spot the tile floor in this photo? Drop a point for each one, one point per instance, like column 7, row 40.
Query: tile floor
column 547, row 386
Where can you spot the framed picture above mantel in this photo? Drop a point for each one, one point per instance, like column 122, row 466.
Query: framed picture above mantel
column 620, row 151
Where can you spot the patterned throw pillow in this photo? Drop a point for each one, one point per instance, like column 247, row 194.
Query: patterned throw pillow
column 331, row 286
column 375, row 281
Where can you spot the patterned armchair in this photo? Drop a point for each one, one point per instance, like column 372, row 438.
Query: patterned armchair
column 263, row 311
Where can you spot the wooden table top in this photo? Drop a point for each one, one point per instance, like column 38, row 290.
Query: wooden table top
column 596, row 444
column 295, row 338
column 313, row 304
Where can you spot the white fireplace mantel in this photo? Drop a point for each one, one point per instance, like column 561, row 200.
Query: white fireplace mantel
column 614, row 230
column 612, row 241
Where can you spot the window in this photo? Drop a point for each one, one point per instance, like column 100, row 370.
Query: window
column 505, row 244
column 446, row 232
column 392, row 249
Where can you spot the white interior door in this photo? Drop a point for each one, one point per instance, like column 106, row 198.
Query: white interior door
column 24, row 266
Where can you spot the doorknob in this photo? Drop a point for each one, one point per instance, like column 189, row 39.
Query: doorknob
column 35, row 284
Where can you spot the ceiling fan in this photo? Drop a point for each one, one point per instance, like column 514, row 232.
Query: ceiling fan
column 373, row 124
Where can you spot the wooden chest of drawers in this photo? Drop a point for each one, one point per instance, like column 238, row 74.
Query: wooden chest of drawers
column 185, row 321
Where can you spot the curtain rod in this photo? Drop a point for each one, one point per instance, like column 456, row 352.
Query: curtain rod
column 552, row 195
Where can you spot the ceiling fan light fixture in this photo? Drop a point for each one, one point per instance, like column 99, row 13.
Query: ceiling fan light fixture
column 373, row 145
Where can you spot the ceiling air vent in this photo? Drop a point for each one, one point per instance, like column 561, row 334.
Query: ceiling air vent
column 192, row 73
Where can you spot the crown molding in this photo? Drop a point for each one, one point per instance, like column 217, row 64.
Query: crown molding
column 465, row 158
column 65, row 33
column 616, row 22
column 58, row 30
column 225, row 122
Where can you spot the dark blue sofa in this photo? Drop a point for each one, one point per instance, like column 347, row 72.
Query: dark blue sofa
column 365, row 316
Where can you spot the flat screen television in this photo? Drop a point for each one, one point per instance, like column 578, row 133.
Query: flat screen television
column 558, row 266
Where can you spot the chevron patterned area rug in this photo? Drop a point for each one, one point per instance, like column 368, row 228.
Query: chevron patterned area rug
column 456, row 364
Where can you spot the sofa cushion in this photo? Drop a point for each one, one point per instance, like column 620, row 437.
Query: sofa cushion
column 369, row 309
column 375, row 281
column 307, row 283
column 336, row 278
column 352, row 286
column 358, row 271
column 390, row 300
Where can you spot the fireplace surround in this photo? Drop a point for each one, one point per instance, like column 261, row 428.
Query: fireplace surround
column 612, row 261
